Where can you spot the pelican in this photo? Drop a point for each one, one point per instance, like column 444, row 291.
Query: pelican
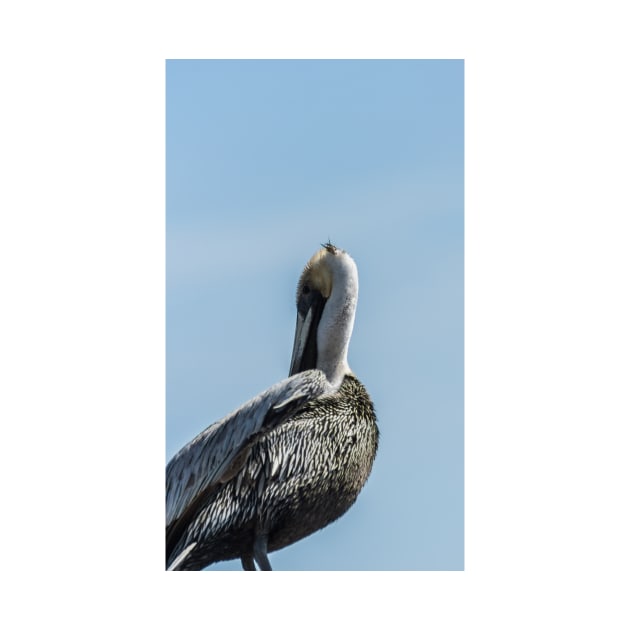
column 291, row 460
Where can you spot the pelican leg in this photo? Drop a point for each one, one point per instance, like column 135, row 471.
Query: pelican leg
column 248, row 563
column 260, row 552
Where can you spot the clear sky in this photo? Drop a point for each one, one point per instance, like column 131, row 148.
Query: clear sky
column 547, row 341
column 266, row 160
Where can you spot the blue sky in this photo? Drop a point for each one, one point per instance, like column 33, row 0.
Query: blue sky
column 266, row 160
column 547, row 311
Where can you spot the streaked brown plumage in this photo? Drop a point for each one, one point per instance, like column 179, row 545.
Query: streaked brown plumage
column 290, row 461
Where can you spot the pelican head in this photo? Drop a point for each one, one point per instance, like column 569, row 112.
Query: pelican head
column 326, row 303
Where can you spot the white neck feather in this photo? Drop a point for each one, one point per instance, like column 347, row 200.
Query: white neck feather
column 337, row 321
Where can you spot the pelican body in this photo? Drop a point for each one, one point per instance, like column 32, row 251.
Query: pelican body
column 291, row 460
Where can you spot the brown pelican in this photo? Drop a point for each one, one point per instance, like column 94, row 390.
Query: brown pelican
column 291, row 460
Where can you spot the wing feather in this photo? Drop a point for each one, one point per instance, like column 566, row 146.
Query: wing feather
column 207, row 458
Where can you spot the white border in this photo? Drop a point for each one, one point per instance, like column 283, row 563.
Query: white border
column 82, row 252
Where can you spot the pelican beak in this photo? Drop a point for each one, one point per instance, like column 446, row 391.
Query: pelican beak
column 310, row 308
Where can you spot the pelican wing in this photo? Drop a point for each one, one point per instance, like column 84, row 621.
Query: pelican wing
column 213, row 456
